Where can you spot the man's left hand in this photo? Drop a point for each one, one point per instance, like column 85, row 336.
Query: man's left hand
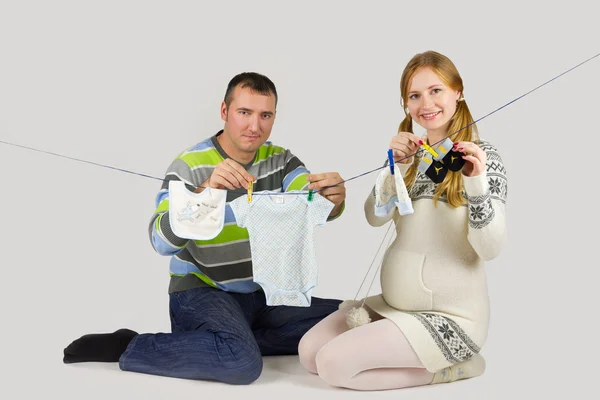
column 328, row 185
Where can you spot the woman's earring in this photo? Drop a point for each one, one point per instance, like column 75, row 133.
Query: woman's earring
column 406, row 111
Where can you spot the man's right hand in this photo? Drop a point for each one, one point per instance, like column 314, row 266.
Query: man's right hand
column 228, row 174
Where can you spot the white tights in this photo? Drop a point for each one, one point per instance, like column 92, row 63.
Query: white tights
column 375, row 356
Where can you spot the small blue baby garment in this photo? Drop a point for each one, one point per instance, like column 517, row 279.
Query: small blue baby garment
column 391, row 193
column 281, row 229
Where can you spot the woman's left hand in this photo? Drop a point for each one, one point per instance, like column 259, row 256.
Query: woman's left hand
column 474, row 156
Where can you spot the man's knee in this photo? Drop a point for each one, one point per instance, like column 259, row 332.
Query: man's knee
column 242, row 362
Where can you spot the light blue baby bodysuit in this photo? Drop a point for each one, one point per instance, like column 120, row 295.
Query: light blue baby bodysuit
column 281, row 229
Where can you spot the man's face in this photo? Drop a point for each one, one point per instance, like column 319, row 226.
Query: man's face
column 248, row 122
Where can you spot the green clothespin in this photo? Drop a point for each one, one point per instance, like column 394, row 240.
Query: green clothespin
column 310, row 195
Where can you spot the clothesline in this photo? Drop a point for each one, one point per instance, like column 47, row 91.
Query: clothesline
column 308, row 191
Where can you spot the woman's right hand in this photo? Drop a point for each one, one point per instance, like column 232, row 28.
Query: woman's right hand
column 405, row 144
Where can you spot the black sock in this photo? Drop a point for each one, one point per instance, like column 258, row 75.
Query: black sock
column 436, row 171
column 454, row 161
column 101, row 347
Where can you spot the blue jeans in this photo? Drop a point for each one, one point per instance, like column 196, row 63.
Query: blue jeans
column 222, row 336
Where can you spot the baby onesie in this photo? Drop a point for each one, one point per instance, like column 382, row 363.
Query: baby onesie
column 281, row 228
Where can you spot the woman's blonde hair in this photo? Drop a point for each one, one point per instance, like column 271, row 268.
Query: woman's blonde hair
column 452, row 185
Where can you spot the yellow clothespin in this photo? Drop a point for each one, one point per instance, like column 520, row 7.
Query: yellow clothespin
column 430, row 150
column 250, row 184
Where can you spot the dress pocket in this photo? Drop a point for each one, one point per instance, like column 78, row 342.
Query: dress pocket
column 402, row 281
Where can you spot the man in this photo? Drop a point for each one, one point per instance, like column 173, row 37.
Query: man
column 221, row 325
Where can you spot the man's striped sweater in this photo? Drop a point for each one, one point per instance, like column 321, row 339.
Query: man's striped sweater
column 224, row 262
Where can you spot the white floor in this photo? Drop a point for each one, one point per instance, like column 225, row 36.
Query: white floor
column 283, row 377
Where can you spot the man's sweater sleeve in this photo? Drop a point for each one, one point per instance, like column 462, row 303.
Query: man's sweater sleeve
column 295, row 174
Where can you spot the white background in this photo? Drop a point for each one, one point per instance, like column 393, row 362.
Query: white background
column 132, row 83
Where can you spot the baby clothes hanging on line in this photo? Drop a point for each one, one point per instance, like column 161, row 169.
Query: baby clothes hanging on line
column 390, row 191
column 281, row 228
column 196, row 216
column 436, row 163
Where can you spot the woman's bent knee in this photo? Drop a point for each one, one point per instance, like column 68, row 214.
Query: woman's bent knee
column 307, row 351
column 331, row 366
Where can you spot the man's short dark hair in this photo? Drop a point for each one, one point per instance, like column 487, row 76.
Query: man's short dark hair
column 256, row 82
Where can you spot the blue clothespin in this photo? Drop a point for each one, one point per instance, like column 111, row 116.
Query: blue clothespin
column 391, row 160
